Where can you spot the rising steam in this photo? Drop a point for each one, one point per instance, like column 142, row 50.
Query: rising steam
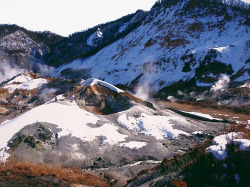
column 221, row 84
column 142, row 91
column 8, row 71
column 144, row 88
column 44, row 70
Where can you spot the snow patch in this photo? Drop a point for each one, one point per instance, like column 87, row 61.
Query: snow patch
column 172, row 98
column 4, row 155
column 244, row 144
column 123, row 28
column 221, row 49
column 133, row 144
column 197, row 132
column 218, row 148
column 142, row 162
column 92, row 81
column 20, row 79
column 153, row 125
column 237, row 178
column 95, row 37
column 202, row 84
column 202, row 115
column 246, row 85
column 26, row 84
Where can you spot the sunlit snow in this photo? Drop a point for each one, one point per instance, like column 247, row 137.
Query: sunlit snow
column 92, row 81
column 219, row 144
column 20, row 79
column 68, row 117
column 156, row 126
column 203, row 115
column 24, row 83
column 159, row 65
column 133, row 144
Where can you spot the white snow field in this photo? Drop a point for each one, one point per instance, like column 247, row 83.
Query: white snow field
column 133, row 144
column 153, row 125
column 68, row 117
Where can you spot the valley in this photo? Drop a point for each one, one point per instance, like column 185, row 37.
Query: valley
column 157, row 98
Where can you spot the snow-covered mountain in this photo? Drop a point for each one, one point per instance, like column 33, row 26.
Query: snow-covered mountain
column 86, row 43
column 178, row 41
column 179, row 48
column 93, row 111
column 23, row 51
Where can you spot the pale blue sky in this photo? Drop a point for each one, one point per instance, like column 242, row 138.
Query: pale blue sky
column 66, row 16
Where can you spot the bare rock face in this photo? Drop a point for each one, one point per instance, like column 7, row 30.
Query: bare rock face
column 34, row 136
column 101, row 100
column 99, row 97
column 33, row 142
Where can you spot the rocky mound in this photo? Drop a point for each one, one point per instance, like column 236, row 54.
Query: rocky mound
column 27, row 90
column 100, row 97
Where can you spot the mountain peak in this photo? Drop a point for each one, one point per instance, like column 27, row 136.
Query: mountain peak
column 20, row 42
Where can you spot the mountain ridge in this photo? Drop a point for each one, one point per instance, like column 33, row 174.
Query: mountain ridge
column 175, row 43
column 148, row 99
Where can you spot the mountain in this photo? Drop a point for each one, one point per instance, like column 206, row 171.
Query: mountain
column 179, row 47
column 81, row 44
column 158, row 98
column 46, row 37
column 23, row 50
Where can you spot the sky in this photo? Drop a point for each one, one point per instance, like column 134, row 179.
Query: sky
column 65, row 17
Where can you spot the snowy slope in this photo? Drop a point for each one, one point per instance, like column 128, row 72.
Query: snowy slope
column 156, row 126
column 157, row 51
column 24, row 82
column 69, row 117
column 121, row 129
column 20, row 79
column 29, row 85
